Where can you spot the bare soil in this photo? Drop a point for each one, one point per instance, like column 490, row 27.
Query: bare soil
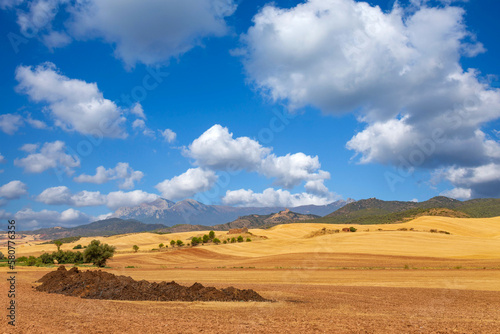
column 97, row 284
column 300, row 308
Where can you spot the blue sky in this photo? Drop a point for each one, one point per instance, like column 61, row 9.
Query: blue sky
column 246, row 103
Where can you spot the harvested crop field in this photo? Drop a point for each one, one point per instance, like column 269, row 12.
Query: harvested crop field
column 389, row 281
column 299, row 308
column 97, row 284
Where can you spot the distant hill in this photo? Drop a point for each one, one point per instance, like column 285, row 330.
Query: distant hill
column 375, row 211
column 109, row 226
column 250, row 221
column 258, row 221
column 189, row 211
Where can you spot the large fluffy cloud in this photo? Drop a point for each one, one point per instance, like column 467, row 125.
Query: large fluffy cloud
column 189, row 183
column 50, row 155
column 63, row 196
column 470, row 182
column 122, row 172
column 74, row 104
column 273, row 197
column 399, row 70
column 171, row 28
column 13, row 190
column 217, row 149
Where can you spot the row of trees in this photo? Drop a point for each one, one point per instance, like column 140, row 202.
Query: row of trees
column 95, row 253
column 195, row 241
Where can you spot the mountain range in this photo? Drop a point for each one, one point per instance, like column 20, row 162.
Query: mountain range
column 189, row 212
column 192, row 212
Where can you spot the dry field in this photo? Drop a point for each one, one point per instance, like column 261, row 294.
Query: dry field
column 387, row 281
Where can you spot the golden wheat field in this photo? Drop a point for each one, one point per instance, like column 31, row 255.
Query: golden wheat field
column 397, row 278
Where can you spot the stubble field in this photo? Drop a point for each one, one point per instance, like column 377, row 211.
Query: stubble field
column 389, row 281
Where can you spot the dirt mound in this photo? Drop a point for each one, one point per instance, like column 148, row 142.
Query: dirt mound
column 102, row 285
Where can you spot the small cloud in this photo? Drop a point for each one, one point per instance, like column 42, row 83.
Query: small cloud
column 138, row 110
column 168, row 135
column 13, row 190
column 10, row 123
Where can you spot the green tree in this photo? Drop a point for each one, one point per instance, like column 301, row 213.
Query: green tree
column 161, row 246
column 248, row 239
column 195, row 241
column 180, row 243
column 58, row 244
column 78, row 247
column 353, row 229
column 233, row 240
column 224, row 242
column 31, row 261
column 240, row 238
column 172, row 243
column 98, row 253
column 2, row 256
column 211, row 235
column 205, row 238
column 46, row 258
column 136, row 248
column 216, row 241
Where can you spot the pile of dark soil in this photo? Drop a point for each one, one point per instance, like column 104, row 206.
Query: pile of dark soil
column 98, row 284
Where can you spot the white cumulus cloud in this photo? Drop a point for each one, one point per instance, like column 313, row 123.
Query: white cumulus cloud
column 171, row 28
column 168, row 135
column 62, row 195
column 273, row 197
column 51, row 155
column 13, row 190
column 399, row 70
column 122, row 172
column 29, row 219
column 75, row 104
column 191, row 182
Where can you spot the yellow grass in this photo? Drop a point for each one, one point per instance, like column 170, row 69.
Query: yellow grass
column 469, row 239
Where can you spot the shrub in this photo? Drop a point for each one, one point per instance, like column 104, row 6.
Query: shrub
column 205, row 238
column 211, row 235
column 224, row 242
column 172, row 243
column 98, row 253
column 78, row 247
column 216, row 241
column 161, row 246
column 180, row 243
column 195, row 241
column 22, row 259
column 47, row 258
column 248, row 239
column 353, row 229
column 233, row 240
column 135, row 248
column 31, row 261
column 240, row 238
column 2, row 256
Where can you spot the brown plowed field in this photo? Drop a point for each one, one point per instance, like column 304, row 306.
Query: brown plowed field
column 300, row 308
column 371, row 281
